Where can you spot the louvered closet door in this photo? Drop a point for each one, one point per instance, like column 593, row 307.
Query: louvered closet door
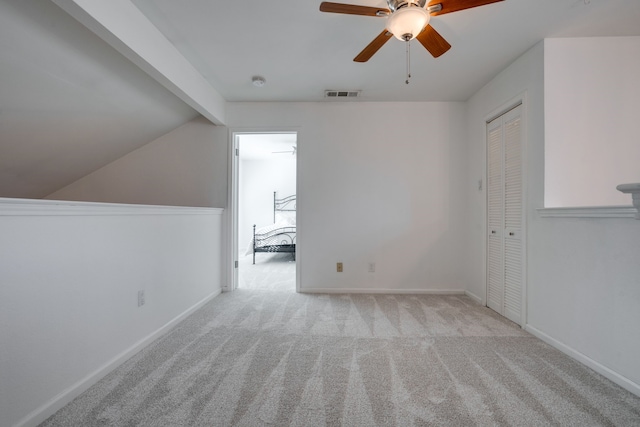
column 504, row 247
column 513, row 215
column 495, row 216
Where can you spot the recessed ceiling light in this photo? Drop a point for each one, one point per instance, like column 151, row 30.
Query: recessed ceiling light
column 258, row 81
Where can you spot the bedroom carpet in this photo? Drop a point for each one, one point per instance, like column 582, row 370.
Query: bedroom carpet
column 272, row 271
column 264, row 358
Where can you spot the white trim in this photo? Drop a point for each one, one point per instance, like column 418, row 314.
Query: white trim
column 608, row 373
column 231, row 226
column 65, row 397
column 520, row 100
column 525, row 209
column 499, row 112
column 589, row 212
column 232, row 210
column 382, row 291
column 474, row 297
column 300, row 201
column 37, row 207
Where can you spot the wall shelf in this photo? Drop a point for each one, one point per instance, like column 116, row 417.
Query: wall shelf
column 588, row 212
column 634, row 190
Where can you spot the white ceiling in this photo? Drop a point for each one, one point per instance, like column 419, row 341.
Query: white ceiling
column 71, row 103
column 301, row 51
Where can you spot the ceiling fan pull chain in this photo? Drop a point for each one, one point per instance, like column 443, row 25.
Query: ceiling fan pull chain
column 408, row 62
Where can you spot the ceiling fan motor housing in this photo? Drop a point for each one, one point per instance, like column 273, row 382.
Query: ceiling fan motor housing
column 398, row 4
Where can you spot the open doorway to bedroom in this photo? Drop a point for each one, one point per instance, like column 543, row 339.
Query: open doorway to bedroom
column 266, row 219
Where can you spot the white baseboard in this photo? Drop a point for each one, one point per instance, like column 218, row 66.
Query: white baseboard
column 474, row 297
column 66, row 396
column 381, row 291
column 586, row 360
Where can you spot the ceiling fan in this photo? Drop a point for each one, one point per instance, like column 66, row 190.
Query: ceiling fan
column 406, row 20
column 292, row 151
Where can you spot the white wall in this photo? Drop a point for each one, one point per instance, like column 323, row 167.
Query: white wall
column 377, row 182
column 583, row 282
column 584, row 290
column 258, row 180
column 592, row 131
column 524, row 77
column 186, row 167
column 69, row 278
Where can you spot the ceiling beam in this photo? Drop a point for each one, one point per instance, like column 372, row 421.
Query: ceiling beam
column 121, row 24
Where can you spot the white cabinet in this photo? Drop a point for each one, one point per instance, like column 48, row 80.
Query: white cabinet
column 504, row 214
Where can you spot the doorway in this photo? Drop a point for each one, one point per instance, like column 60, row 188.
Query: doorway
column 266, row 215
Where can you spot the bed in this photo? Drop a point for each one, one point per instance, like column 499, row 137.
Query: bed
column 281, row 236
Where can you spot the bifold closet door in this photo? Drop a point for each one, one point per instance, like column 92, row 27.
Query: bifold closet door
column 504, row 214
column 495, row 216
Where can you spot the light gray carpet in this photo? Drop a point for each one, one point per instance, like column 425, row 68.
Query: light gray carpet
column 272, row 271
column 264, row 358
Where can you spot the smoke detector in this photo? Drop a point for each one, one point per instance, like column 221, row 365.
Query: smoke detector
column 258, row 81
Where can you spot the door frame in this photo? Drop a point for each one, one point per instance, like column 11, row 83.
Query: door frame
column 232, row 201
column 518, row 100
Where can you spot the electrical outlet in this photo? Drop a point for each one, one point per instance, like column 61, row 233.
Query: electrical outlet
column 339, row 267
column 372, row 267
column 140, row 298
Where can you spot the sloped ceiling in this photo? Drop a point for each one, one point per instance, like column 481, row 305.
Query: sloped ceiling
column 69, row 103
column 72, row 101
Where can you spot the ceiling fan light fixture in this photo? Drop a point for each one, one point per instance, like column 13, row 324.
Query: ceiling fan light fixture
column 406, row 23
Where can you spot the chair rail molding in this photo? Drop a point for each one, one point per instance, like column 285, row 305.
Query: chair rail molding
column 45, row 207
column 634, row 190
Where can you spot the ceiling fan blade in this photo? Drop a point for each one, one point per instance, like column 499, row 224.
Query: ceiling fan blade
column 449, row 6
column 373, row 47
column 352, row 9
column 433, row 41
column 292, row 151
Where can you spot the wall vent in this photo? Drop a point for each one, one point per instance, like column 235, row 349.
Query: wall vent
column 341, row 93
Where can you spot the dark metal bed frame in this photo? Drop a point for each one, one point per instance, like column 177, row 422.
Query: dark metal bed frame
column 282, row 239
